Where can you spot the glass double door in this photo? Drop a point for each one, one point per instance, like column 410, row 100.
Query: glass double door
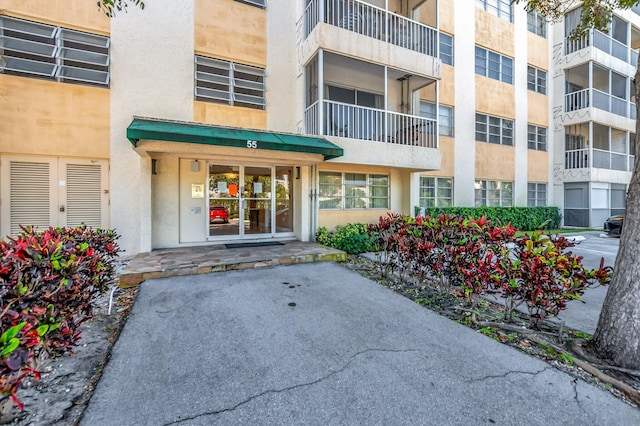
column 249, row 201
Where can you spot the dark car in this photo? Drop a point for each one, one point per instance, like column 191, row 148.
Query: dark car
column 613, row 225
column 218, row 213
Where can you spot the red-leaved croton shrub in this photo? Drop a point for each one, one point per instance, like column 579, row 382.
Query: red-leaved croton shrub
column 48, row 281
column 480, row 259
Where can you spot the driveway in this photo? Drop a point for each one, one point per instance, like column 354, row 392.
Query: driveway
column 583, row 314
column 318, row 344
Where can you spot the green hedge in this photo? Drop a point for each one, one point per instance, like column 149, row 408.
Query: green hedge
column 521, row 218
column 352, row 238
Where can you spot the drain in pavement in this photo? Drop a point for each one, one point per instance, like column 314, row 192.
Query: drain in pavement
column 292, row 304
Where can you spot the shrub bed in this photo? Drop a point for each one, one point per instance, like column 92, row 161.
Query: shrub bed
column 474, row 258
column 48, row 281
column 352, row 238
column 522, row 218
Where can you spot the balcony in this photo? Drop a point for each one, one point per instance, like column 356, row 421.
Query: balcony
column 370, row 124
column 605, row 43
column 598, row 99
column 372, row 21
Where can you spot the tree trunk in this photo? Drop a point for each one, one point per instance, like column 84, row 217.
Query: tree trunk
column 617, row 337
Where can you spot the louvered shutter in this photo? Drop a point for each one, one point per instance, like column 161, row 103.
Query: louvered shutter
column 30, row 195
column 84, row 195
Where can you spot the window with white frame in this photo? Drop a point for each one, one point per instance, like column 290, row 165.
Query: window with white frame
column 445, row 116
column 494, row 129
column 229, row 83
column 446, row 48
column 436, row 192
column 500, row 8
column 493, row 193
column 346, row 191
column 536, row 80
column 494, row 65
column 536, row 23
column 259, row 3
column 536, row 194
column 39, row 50
column 537, row 137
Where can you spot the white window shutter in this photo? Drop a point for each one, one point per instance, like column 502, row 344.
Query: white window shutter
column 30, row 195
column 84, row 195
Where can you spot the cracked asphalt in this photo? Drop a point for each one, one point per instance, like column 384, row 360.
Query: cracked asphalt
column 319, row 344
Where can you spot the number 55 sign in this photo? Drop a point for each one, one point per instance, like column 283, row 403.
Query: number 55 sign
column 252, row 144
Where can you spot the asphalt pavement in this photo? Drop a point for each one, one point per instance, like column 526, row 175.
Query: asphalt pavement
column 583, row 314
column 319, row 344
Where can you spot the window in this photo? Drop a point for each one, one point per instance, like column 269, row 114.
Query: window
column 229, row 83
column 493, row 65
column 536, row 23
column 536, row 80
column 494, row 193
column 445, row 124
column 446, row 49
column 34, row 49
column 436, row 192
column 500, row 8
column 537, row 137
column 339, row 190
column 259, row 3
column 494, row 129
column 536, row 194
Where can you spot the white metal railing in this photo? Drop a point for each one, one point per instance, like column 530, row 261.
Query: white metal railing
column 576, row 100
column 576, row 159
column 372, row 21
column 586, row 98
column 357, row 122
column 602, row 42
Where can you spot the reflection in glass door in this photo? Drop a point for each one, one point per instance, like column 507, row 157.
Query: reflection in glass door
column 250, row 201
column 284, row 199
column 224, row 200
column 257, row 200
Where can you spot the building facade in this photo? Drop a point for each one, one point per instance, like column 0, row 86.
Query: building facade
column 202, row 122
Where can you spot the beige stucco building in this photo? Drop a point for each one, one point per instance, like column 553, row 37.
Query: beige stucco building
column 203, row 122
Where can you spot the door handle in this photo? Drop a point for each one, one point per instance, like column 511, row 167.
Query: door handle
column 61, row 209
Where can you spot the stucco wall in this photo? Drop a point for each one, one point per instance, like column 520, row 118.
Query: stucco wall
column 538, row 166
column 495, row 162
column 446, row 11
column 227, row 115
column 75, row 14
column 494, row 33
column 537, row 51
column 230, row 30
column 538, row 109
column 494, row 97
column 48, row 118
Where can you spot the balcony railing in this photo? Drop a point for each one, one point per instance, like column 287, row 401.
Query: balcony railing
column 586, row 98
column 357, row 122
column 603, row 42
column 372, row 21
column 576, row 159
column 602, row 159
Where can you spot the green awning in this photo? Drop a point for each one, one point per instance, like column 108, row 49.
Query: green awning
column 173, row 131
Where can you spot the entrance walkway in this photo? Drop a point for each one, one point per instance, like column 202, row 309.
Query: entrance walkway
column 204, row 259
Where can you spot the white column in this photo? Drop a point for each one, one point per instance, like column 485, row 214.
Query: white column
column 521, row 118
column 152, row 68
column 465, row 101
